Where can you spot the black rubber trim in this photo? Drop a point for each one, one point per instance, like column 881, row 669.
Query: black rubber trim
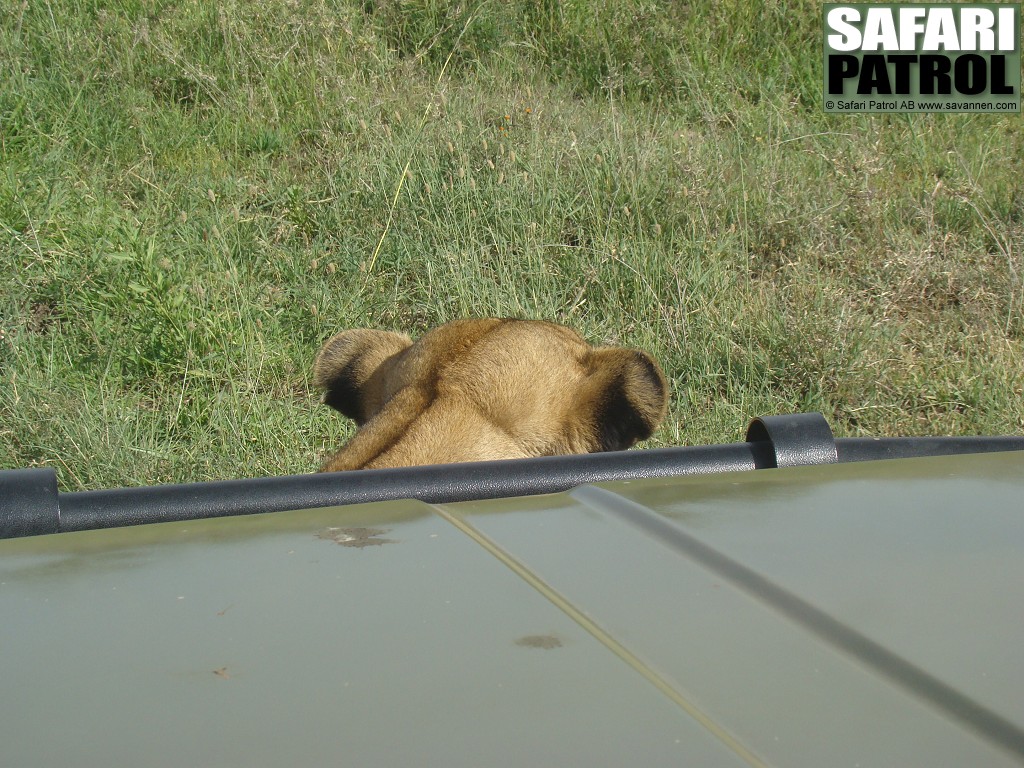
column 881, row 448
column 30, row 503
column 796, row 439
column 438, row 484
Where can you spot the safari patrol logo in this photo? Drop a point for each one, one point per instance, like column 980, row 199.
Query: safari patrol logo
column 924, row 57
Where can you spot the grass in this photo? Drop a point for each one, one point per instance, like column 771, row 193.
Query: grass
column 193, row 196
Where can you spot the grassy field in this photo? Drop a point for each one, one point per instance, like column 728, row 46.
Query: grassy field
column 194, row 195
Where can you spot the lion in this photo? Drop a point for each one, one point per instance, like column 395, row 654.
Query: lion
column 485, row 389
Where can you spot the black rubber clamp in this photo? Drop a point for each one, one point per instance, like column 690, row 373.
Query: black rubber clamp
column 796, row 439
column 28, row 502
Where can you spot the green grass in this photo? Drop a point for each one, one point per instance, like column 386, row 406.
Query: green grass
column 192, row 197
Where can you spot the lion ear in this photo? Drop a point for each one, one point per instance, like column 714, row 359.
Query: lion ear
column 345, row 369
column 628, row 397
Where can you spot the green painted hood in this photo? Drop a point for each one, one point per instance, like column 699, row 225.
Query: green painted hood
column 853, row 614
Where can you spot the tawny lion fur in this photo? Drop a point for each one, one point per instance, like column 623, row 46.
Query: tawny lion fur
column 475, row 390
